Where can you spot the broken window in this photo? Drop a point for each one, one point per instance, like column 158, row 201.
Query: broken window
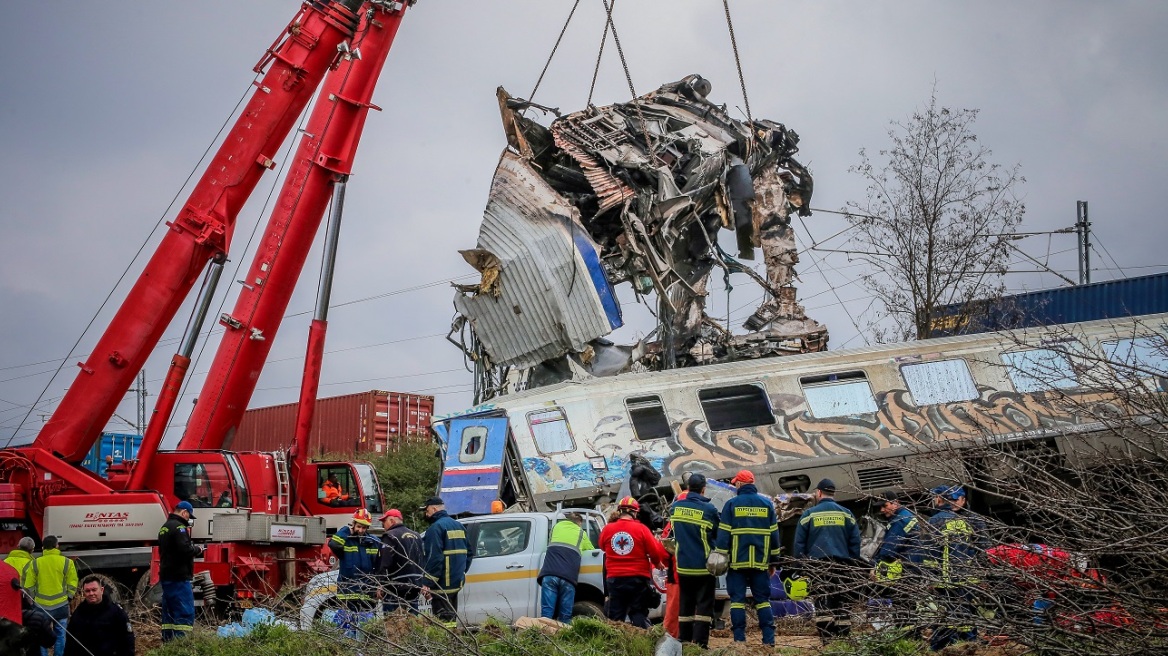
column 838, row 395
column 1139, row 358
column 1037, row 370
column 945, row 381
column 474, row 444
column 648, row 416
column 550, row 430
column 736, row 406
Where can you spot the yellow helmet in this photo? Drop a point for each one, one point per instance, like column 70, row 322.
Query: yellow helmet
column 362, row 516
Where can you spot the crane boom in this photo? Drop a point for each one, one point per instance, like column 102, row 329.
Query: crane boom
column 323, row 158
column 295, row 64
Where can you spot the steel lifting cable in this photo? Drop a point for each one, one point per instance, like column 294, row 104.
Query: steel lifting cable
column 608, row 8
column 741, row 77
column 563, row 30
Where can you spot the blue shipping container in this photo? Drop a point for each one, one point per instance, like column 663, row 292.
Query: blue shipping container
column 1126, row 297
column 122, row 446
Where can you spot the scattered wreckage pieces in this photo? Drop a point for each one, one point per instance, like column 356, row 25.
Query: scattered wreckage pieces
column 634, row 192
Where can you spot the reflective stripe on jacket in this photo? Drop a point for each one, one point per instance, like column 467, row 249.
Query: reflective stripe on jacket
column 694, row 523
column 358, row 557
column 951, row 543
column 748, row 530
column 898, row 546
column 828, row 531
column 56, row 579
column 564, row 552
column 21, row 561
column 448, row 553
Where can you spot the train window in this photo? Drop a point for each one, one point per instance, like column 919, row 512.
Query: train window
column 474, row 444
column 1037, row 370
column 648, row 416
column 838, row 395
column 1142, row 357
column 551, row 431
column 736, row 406
column 944, row 381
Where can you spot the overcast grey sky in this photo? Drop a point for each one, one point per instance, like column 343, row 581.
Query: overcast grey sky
column 106, row 107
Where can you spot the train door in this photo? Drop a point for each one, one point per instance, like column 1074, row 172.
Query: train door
column 474, row 464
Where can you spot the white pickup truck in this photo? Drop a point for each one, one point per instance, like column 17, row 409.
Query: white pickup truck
column 501, row 582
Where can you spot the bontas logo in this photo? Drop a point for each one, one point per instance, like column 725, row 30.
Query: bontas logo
column 107, row 516
column 622, row 543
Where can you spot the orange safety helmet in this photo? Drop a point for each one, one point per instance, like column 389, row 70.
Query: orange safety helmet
column 362, row 516
column 629, row 503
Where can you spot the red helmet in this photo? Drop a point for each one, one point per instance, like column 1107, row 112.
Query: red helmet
column 362, row 516
column 629, row 503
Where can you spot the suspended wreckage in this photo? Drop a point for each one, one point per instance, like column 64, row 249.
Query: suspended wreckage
column 633, row 192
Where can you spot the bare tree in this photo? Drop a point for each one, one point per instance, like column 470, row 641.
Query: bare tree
column 936, row 221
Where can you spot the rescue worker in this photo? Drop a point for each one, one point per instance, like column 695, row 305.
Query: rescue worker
column 630, row 553
column 748, row 533
column 21, row 560
column 561, row 567
column 176, row 568
column 695, row 528
column 399, row 569
column 829, row 537
column 358, row 555
column 895, row 557
column 54, row 583
column 952, row 543
column 99, row 626
column 331, row 493
column 448, row 555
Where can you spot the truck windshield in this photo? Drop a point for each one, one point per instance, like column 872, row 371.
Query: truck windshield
column 369, row 487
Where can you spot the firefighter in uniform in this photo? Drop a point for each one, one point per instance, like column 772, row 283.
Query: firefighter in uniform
column 358, row 555
column 951, row 544
column 630, row 553
column 895, row 557
column 695, row 528
column 176, row 568
column 448, row 555
column 748, row 532
column 829, row 535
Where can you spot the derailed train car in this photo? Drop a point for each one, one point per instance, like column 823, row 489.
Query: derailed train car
column 888, row 417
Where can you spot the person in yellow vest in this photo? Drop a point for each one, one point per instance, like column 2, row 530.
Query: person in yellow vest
column 21, row 560
column 55, row 584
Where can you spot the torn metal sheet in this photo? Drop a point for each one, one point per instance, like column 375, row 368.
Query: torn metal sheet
column 649, row 184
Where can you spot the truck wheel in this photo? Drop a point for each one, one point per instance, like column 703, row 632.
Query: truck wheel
column 587, row 609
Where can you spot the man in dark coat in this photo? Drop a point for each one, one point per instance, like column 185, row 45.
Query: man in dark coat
column 695, row 528
column 99, row 627
column 829, row 536
column 399, row 570
column 953, row 545
column 448, row 555
column 176, row 555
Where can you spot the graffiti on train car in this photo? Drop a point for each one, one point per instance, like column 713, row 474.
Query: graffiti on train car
column 797, row 435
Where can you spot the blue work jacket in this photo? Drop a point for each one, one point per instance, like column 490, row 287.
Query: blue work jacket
column 748, row 530
column 951, row 544
column 900, row 540
column 448, row 553
column 695, row 528
column 358, row 556
column 828, row 531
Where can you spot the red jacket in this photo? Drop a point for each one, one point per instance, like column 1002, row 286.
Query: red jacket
column 629, row 547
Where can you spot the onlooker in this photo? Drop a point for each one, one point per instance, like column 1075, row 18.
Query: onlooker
column 561, row 567
column 358, row 554
column 109, row 461
column 99, row 627
column 951, row 544
column 21, row 559
column 630, row 552
column 829, row 536
column 695, row 528
column 54, row 580
column 448, row 556
column 748, row 532
column 400, row 568
column 176, row 568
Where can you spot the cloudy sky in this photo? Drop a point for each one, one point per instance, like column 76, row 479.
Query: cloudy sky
column 107, row 107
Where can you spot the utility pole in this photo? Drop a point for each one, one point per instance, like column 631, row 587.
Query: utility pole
column 1083, row 229
column 141, row 392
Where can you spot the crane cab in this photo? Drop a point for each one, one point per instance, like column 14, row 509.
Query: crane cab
column 334, row 490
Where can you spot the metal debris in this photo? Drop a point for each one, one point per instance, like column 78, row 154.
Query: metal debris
column 632, row 193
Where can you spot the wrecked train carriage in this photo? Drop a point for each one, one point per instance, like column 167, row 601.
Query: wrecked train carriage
column 633, row 193
column 888, row 417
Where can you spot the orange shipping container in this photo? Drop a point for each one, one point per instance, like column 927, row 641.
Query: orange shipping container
column 369, row 422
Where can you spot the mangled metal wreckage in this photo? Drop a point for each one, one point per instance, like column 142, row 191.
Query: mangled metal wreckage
column 633, row 192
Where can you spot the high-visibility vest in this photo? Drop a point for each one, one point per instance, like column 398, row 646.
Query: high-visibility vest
column 56, row 579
